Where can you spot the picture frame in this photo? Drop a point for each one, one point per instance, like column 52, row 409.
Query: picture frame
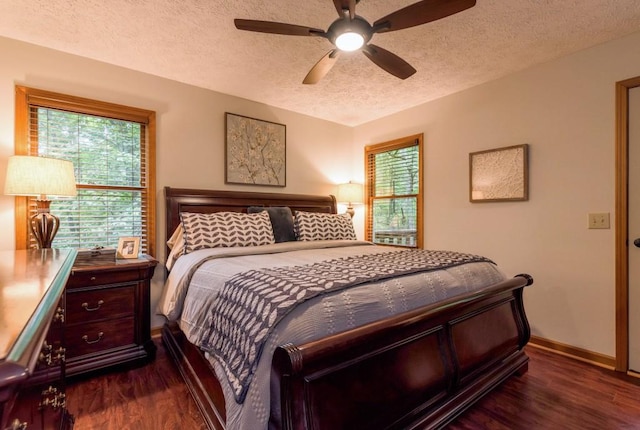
column 499, row 175
column 128, row 247
column 255, row 151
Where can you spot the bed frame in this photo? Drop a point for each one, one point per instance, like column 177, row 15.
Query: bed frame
column 420, row 369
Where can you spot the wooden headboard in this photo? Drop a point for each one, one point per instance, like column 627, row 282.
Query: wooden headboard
column 208, row 201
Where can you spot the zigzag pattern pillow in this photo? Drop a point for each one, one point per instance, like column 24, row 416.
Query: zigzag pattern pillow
column 321, row 226
column 225, row 230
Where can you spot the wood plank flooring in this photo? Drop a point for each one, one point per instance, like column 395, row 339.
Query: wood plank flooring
column 556, row 393
column 152, row 397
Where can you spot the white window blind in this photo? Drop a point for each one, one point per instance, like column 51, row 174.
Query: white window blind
column 394, row 193
column 110, row 147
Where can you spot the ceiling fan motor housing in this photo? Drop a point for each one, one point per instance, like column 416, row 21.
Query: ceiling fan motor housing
column 345, row 25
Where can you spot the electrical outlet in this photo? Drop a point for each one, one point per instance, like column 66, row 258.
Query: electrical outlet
column 599, row 220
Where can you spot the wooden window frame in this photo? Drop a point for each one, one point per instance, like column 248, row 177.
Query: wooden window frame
column 371, row 150
column 26, row 97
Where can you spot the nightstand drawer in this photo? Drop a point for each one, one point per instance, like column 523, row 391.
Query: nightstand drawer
column 94, row 305
column 99, row 336
column 86, row 279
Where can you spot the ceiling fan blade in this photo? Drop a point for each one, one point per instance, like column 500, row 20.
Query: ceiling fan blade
column 342, row 5
column 420, row 13
column 322, row 67
column 277, row 28
column 388, row 61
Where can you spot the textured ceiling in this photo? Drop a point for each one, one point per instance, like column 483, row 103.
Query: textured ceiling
column 195, row 41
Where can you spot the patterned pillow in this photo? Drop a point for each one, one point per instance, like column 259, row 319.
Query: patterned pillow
column 225, row 229
column 322, row 226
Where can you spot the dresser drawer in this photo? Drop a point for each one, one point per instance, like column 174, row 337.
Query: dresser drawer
column 99, row 304
column 86, row 279
column 99, row 336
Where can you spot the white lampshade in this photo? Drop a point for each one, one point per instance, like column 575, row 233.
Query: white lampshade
column 350, row 193
column 39, row 176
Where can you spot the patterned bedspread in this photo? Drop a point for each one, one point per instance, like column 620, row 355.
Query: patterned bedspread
column 253, row 302
column 196, row 280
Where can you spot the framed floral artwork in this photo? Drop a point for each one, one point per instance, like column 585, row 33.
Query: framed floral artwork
column 498, row 175
column 255, row 151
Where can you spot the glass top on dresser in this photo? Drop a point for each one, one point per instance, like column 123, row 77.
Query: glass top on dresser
column 31, row 283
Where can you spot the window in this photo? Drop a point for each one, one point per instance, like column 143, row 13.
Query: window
column 112, row 148
column 394, row 192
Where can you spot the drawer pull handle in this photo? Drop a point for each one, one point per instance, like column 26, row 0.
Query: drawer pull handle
column 86, row 307
column 59, row 315
column 17, row 425
column 93, row 278
column 53, row 398
column 86, row 338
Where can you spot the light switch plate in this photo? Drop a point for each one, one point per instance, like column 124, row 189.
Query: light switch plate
column 599, row 220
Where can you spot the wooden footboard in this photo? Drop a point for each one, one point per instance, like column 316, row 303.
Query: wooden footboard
column 417, row 370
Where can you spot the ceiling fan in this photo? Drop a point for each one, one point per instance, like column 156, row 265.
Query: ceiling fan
column 351, row 32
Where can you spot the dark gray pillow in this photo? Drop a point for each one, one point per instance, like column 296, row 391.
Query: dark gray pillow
column 281, row 221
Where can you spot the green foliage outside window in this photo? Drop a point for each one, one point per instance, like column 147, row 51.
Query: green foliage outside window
column 106, row 154
column 394, row 174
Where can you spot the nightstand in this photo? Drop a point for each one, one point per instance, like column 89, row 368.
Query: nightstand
column 108, row 315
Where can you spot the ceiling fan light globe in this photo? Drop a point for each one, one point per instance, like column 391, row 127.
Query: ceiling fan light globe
column 349, row 41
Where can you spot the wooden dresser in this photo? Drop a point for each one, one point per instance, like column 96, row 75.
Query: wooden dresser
column 32, row 365
column 108, row 315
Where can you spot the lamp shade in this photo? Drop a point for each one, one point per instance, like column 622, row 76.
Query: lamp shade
column 39, row 176
column 350, row 193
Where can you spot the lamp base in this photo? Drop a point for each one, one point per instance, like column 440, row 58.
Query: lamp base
column 351, row 211
column 44, row 225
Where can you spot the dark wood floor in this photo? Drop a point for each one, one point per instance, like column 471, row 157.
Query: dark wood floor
column 153, row 397
column 557, row 393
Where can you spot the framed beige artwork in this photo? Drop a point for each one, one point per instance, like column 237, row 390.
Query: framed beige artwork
column 255, row 151
column 499, row 175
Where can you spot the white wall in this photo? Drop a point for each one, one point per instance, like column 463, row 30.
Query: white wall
column 565, row 111
column 190, row 129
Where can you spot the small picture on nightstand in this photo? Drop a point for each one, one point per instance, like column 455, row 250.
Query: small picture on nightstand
column 128, row 247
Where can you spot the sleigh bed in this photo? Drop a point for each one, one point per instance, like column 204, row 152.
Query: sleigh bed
column 416, row 369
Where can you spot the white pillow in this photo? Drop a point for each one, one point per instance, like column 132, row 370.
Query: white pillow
column 323, row 226
column 225, row 229
column 177, row 238
column 176, row 245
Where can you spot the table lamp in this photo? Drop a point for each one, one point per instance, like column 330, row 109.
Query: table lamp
column 350, row 193
column 41, row 177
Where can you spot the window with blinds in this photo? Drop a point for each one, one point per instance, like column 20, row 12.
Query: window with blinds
column 393, row 188
column 112, row 149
